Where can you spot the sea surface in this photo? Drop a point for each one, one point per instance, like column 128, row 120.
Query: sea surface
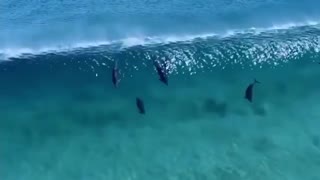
column 61, row 117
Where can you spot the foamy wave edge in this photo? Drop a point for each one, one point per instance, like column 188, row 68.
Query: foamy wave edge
column 18, row 52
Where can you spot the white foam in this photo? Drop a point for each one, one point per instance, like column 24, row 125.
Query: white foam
column 13, row 52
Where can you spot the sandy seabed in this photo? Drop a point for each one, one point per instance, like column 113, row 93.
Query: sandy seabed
column 198, row 128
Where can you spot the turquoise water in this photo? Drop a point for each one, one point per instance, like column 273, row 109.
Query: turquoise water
column 62, row 118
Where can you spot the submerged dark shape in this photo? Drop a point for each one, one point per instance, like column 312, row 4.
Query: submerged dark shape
column 162, row 71
column 210, row 105
column 140, row 106
column 115, row 75
column 316, row 141
column 249, row 91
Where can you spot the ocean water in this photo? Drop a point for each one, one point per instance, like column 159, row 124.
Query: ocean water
column 62, row 118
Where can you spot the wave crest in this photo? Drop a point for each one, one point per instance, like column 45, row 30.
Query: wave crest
column 252, row 47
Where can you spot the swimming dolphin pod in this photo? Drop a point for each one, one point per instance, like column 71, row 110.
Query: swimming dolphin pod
column 162, row 71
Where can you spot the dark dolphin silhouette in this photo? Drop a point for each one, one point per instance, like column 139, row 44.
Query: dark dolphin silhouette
column 162, row 71
column 140, row 106
column 115, row 75
column 249, row 91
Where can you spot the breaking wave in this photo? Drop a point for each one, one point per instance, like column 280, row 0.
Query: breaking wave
column 251, row 47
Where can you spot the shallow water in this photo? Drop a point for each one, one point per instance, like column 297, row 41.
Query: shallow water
column 69, row 124
column 61, row 117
